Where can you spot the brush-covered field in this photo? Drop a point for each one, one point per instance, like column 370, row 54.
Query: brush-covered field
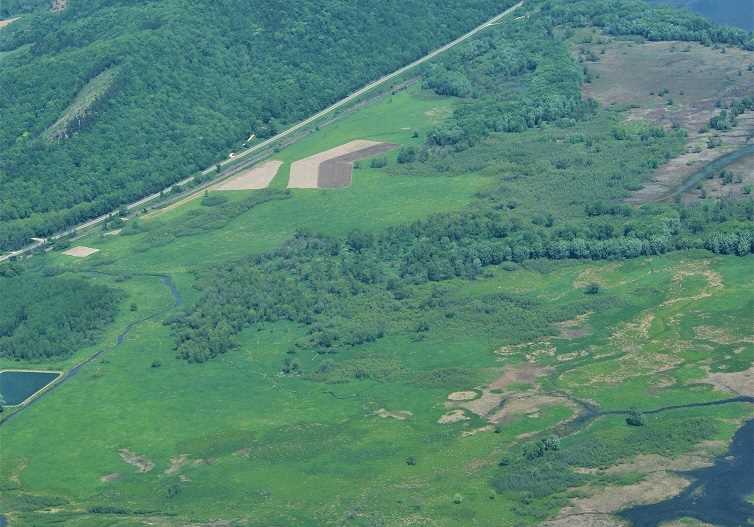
column 478, row 331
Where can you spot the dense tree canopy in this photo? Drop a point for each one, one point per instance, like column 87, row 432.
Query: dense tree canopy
column 109, row 100
column 43, row 317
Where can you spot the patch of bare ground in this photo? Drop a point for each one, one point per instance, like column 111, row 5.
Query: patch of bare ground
column 576, row 328
column 80, row 251
column 720, row 335
column 338, row 172
column 400, row 415
column 176, row 464
column 15, row 475
column 58, row 5
column 740, row 383
column 255, row 178
column 501, row 400
column 109, row 478
column 671, row 84
column 307, row 173
column 455, row 416
column 463, row 396
column 141, row 463
column 7, row 21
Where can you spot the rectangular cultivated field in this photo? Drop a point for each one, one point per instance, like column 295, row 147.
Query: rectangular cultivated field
column 80, row 251
column 333, row 168
column 258, row 177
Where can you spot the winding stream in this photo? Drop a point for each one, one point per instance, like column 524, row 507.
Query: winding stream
column 710, row 168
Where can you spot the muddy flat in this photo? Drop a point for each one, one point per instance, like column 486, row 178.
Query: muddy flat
column 305, row 173
column 258, row 177
column 80, row 251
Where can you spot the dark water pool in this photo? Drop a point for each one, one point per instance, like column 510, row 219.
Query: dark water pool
column 718, row 495
column 16, row 386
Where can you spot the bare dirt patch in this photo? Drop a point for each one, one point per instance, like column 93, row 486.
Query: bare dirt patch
column 58, row 5
column 141, row 463
column 672, row 84
column 258, row 177
column 338, row 172
column 455, row 416
column 400, row 415
column 741, row 383
column 109, row 478
column 308, row 172
column 7, row 21
column 177, row 463
column 80, row 251
column 463, row 396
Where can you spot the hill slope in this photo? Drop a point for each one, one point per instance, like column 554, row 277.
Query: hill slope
column 110, row 100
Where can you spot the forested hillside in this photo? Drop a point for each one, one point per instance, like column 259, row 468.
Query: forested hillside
column 739, row 13
column 109, row 100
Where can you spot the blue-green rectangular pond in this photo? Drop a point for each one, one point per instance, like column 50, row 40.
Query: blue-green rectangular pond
column 18, row 385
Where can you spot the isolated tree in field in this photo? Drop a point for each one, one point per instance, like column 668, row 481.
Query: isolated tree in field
column 636, row 418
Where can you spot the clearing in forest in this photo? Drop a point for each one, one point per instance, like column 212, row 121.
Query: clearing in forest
column 333, row 168
column 80, row 251
column 672, row 84
column 258, row 177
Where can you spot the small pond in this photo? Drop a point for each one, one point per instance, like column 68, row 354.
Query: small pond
column 18, row 385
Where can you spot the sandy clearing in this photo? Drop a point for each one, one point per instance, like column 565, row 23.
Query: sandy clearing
column 256, row 178
column 463, row 396
column 400, row 415
column 7, row 21
column 305, row 172
column 109, row 478
column 456, row 416
column 141, row 463
column 80, row 251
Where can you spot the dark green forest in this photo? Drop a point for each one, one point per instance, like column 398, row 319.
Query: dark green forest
column 110, row 100
column 45, row 316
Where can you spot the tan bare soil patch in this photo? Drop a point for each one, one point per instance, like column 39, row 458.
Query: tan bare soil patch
column 109, row 478
column 741, row 383
column 576, row 328
column 694, row 77
column 58, row 5
column 80, row 251
column 177, row 463
column 141, row 463
column 7, row 21
column 400, row 415
column 305, row 173
column 456, row 416
column 338, row 172
column 258, row 177
column 463, row 396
